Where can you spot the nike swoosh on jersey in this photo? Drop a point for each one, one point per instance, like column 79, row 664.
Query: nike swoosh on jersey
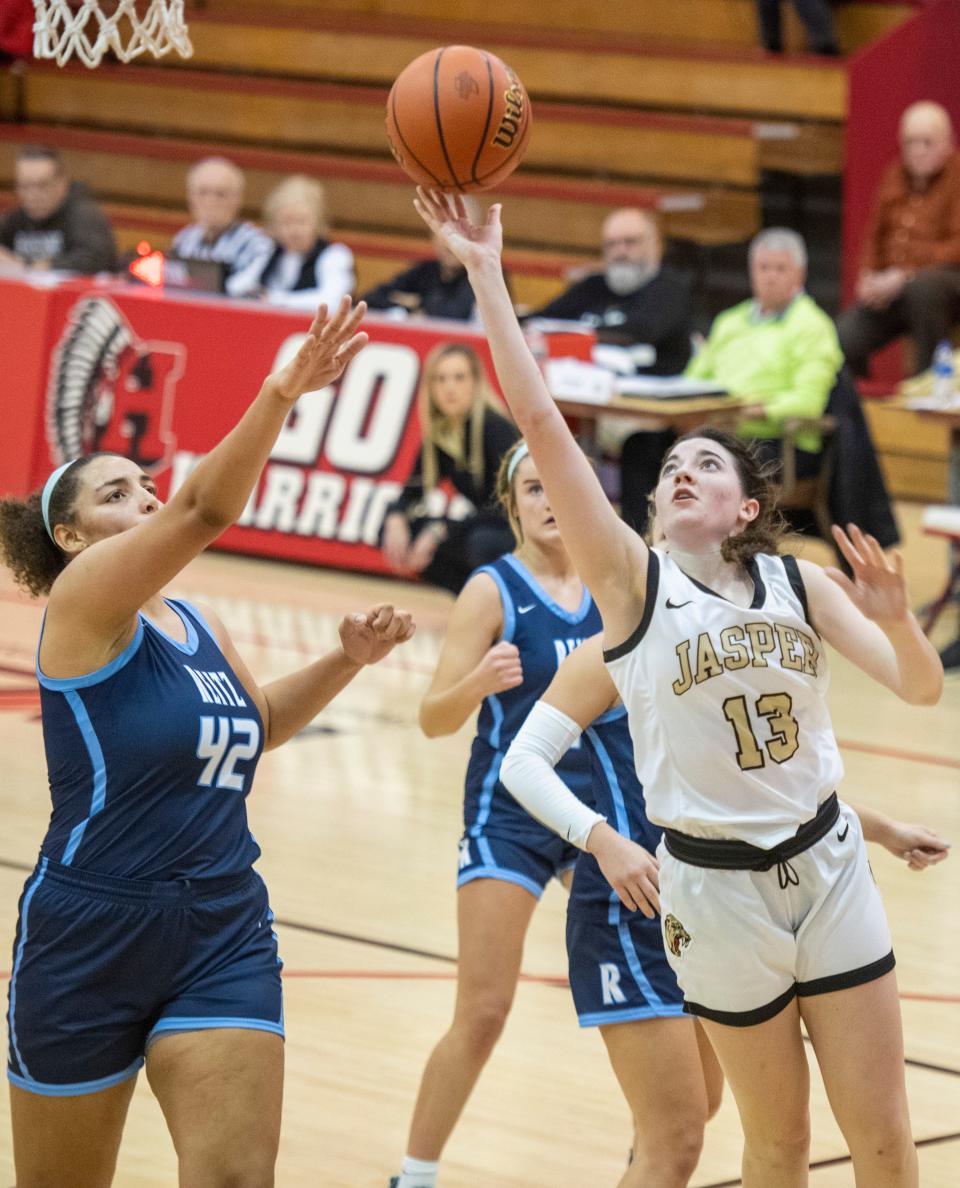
column 846, row 830
column 522, row 610
column 677, row 605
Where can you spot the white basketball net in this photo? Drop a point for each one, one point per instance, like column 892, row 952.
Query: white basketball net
column 80, row 28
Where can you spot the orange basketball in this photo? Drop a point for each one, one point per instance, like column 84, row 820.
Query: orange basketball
column 458, row 119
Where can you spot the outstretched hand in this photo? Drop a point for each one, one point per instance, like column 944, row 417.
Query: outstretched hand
column 367, row 638
column 918, row 846
column 878, row 589
column 331, row 343
column 446, row 216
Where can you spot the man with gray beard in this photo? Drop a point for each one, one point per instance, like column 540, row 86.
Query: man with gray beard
column 636, row 299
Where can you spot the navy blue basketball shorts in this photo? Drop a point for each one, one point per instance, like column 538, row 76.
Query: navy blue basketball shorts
column 514, row 860
column 618, row 969
column 102, row 967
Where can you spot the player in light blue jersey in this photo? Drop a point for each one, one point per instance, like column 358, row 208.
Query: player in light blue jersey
column 510, row 628
column 144, row 934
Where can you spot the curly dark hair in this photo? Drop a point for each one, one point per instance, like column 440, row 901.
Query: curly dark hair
column 758, row 480
column 25, row 545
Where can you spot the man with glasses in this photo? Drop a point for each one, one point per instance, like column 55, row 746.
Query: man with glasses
column 636, row 301
column 55, row 224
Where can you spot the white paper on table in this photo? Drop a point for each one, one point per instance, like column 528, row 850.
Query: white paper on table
column 573, row 379
column 622, row 359
column 667, row 387
column 942, row 518
column 933, row 403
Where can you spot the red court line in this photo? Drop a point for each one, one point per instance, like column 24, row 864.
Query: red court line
column 897, row 753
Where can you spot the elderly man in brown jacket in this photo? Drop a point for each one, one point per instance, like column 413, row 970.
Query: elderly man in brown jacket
column 909, row 281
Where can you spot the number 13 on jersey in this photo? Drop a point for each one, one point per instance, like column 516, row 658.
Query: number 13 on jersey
column 784, row 730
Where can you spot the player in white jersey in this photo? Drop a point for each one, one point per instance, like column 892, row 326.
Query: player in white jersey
column 770, row 914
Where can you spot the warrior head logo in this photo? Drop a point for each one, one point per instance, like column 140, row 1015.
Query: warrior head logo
column 109, row 390
column 466, row 85
column 676, row 935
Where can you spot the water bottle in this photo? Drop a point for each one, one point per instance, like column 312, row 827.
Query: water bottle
column 944, row 375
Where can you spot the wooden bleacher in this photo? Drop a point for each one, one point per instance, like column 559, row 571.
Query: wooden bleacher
column 724, row 22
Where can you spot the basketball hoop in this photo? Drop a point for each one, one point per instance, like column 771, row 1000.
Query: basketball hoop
column 82, row 28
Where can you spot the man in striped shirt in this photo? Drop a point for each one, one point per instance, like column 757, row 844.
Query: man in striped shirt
column 215, row 195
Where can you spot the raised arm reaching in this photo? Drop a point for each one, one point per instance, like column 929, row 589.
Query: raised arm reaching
column 609, row 556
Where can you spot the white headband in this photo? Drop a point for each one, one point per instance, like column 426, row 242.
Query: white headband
column 48, row 488
column 522, row 451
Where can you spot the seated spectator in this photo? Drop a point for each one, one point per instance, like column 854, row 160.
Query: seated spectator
column 436, row 288
column 215, row 195
column 304, row 268
column 778, row 348
column 909, row 280
column 817, row 22
column 636, row 299
column 55, row 224
column 465, row 435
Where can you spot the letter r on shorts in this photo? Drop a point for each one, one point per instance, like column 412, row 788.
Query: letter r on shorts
column 610, row 984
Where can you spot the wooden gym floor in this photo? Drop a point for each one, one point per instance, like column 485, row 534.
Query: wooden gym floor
column 358, row 820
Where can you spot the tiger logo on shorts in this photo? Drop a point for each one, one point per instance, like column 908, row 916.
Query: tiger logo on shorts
column 676, row 935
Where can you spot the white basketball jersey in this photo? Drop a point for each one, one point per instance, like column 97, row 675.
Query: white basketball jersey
column 727, row 705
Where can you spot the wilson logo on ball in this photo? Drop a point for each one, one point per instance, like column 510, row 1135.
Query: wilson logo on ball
column 512, row 119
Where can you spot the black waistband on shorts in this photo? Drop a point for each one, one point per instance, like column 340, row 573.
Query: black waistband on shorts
column 727, row 854
column 167, row 891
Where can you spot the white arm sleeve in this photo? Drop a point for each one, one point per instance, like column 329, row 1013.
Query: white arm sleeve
column 527, row 771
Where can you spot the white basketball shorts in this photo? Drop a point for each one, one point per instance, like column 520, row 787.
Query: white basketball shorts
column 743, row 943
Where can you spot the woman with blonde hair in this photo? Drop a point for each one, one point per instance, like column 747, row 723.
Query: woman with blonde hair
column 304, row 268
column 465, row 435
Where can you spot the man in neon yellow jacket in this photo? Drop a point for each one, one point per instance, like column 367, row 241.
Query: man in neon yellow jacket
column 778, row 348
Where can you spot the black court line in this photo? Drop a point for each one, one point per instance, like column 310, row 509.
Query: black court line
column 314, row 929
column 841, row 1159
column 391, row 946
column 447, row 958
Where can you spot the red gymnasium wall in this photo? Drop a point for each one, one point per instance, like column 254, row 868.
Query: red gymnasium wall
column 918, row 60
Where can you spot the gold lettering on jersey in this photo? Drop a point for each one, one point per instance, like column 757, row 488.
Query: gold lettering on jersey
column 685, row 679
column 810, row 654
column 707, row 663
column 760, row 645
column 733, row 640
column 789, row 639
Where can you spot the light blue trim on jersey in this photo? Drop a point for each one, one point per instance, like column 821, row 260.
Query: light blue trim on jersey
column 506, row 601
column 613, row 783
column 43, row 1089
column 672, row 1010
column 99, row 797
column 489, row 784
column 211, row 1023
column 193, row 640
column 62, row 684
column 496, row 709
column 611, row 715
column 18, row 960
column 634, row 964
column 503, row 875
column 182, row 602
column 577, row 616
